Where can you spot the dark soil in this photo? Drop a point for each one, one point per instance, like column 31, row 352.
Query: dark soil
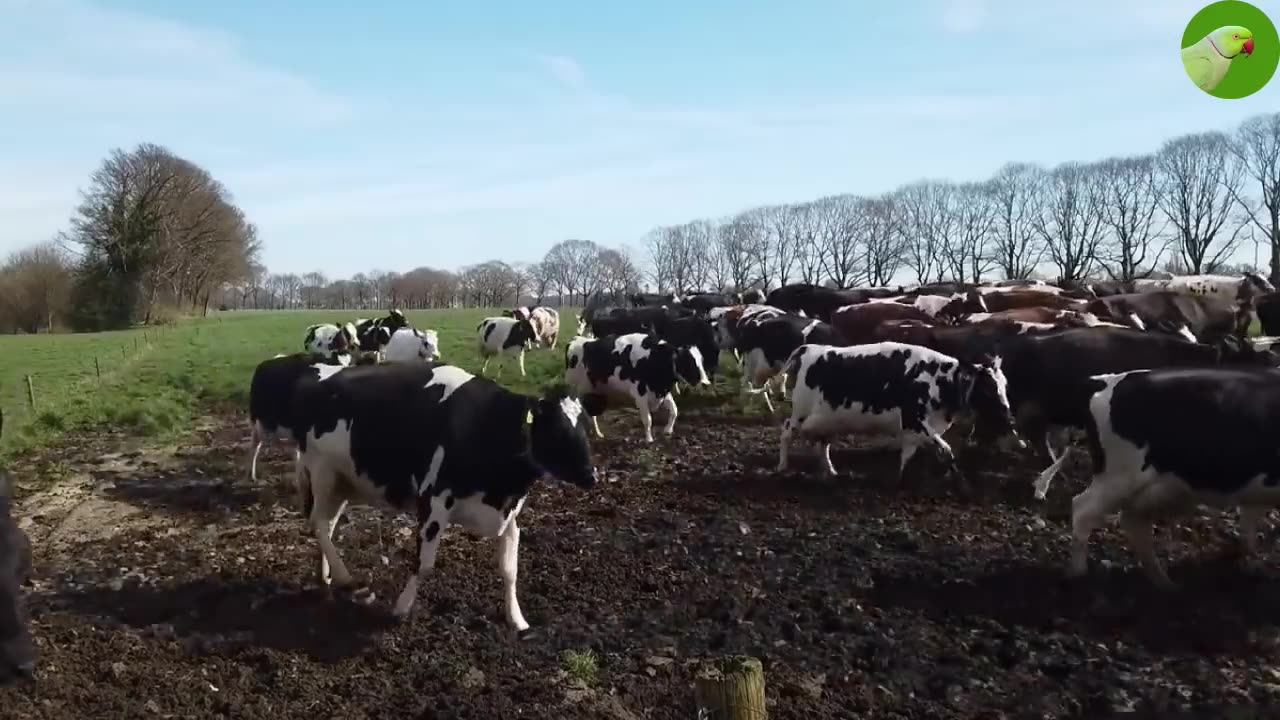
column 172, row 587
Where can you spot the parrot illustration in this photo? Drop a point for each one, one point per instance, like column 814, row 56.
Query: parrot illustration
column 1207, row 61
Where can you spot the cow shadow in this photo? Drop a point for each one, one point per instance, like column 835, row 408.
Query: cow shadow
column 222, row 615
column 1216, row 610
column 180, row 492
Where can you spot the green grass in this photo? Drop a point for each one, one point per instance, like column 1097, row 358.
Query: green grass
column 183, row 370
column 196, row 366
column 581, row 665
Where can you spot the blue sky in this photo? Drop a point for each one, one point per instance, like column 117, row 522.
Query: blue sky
column 432, row 133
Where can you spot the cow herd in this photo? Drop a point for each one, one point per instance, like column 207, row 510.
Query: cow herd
column 1178, row 405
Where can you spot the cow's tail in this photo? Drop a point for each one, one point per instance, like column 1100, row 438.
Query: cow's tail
column 302, row 485
column 791, row 370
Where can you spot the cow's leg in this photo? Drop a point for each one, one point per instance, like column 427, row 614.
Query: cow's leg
column 255, row 446
column 784, row 444
column 521, row 358
column 485, row 366
column 646, row 418
column 326, row 508
column 508, row 566
column 1250, row 520
column 669, row 403
column 430, row 528
column 1042, row 448
column 1138, row 528
column 828, row 469
column 1088, row 510
column 595, row 425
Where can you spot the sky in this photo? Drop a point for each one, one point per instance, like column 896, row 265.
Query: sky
column 444, row 134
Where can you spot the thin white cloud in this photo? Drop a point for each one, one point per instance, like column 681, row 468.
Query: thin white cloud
column 564, row 69
column 963, row 16
column 69, row 57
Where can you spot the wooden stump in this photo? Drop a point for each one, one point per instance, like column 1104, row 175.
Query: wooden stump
column 731, row 689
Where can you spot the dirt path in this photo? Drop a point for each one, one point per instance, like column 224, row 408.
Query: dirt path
column 171, row 587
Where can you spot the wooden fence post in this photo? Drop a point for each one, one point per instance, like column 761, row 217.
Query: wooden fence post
column 731, row 689
column 31, row 393
column 122, row 352
column 97, row 368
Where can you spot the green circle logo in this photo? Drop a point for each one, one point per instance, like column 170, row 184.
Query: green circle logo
column 1230, row 49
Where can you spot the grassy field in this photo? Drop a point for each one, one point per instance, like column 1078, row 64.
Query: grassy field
column 154, row 383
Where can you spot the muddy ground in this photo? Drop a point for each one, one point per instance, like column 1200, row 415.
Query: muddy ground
column 169, row 586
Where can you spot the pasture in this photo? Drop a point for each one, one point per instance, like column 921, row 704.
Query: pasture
column 168, row 585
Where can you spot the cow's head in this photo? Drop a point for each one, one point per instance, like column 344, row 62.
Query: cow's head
column 525, row 333
column 520, row 313
column 17, row 651
column 689, row 366
column 558, row 443
column 988, row 396
column 395, row 320
column 342, row 340
column 430, row 350
column 1253, row 285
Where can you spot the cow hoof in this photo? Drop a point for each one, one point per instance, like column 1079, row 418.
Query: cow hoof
column 360, row 595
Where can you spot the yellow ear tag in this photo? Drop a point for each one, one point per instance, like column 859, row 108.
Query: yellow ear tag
column 528, row 418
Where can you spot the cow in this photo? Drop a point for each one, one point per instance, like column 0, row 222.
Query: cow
column 890, row 388
column 17, row 649
column 411, row 344
column 1194, row 317
column 1028, row 297
column 767, row 344
column 622, row 321
column 702, row 303
column 856, row 324
column 814, row 300
column 945, row 307
column 504, row 337
column 435, row 439
column 752, row 297
column 332, row 340
column 969, row 343
column 546, row 323
column 1042, row 316
column 730, row 323
column 1165, row 440
column 1014, row 283
column 1049, row 375
column 271, row 393
column 1230, row 289
column 374, row 334
column 637, row 366
column 693, row 332
column 1267, row 308
column 645, row 299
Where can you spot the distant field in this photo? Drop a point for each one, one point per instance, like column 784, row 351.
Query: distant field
column 160, row 386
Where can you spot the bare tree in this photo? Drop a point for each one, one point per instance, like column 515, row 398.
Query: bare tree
column 1129, row 204
column 927, row 222
column 882, row 237
column 35, row 288
column 1201, row 180
column 838, row 227
column 1257, row 149
column 1017, row 196
column 735, row 242
column 1070, row 222
column 964, row 246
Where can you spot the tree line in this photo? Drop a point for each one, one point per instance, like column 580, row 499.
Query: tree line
column 155, row 234
column 1185, row 208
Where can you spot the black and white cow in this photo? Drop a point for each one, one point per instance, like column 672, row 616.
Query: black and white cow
column 435, row 439
column 17, row 650
column 332, row 340
column 1166, row 440
column 890, row 388
column 766, row 346
column 271, row 395
column 411, row 344
column 729, row 323
column 637, row 366
column 373, row 335
column 504, row 337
